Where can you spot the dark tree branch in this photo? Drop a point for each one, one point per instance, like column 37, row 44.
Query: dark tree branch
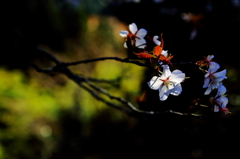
column 48, row 56
column 46, row 70
column 96, row 96
column 111, row 81
column 126, row 60
column 132, row 110
column 182, row 63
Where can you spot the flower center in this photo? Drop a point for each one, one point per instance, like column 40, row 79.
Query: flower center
column 166, row 81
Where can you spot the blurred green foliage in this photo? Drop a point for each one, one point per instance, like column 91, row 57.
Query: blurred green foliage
column 26, row 107
column 31, row 108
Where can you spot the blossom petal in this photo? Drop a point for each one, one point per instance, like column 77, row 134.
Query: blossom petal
column 213, row 67
column 221, row 74
column 213, row 85
column 140, row 43
column 156, row 41
column 125, row 45
column 155, row 83
column 123, row 33
column 220, row 79
column 221, row 90
column 206, row 82
column 166, row 72
column 207, row 74
column 164, row 53
column 208, row 91
column 177, row 90
column 133, row 28
column 216, row 108
column 163, row 93
column 141, row 33
column 177, row 76
column 209, row 57
column 222, row 101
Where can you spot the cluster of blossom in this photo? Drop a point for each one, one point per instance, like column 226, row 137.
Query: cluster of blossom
column 213, row 80
column 167, row 82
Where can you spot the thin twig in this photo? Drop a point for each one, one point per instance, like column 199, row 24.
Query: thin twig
column 96, row 96
column 129, row 104
column 126, row 60
column 182, row 63
column 38, row 69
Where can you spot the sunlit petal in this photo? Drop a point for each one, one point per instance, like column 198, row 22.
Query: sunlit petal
column 133, row 28
column 177, row 90
column 166, row 72
column 163, row 93
column 125, row 45
column 140, row 43
column 156, row 41
column 177, row 76
column 141, row 33
column 123, row 33
column 155, row 83
column 164, row 53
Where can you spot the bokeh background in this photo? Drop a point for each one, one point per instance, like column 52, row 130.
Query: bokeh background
column 47, row 116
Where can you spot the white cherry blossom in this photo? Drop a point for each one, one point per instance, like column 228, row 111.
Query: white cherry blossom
column 220, row 101
column 213, row 78
column 167, row 83
column 136, row 36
